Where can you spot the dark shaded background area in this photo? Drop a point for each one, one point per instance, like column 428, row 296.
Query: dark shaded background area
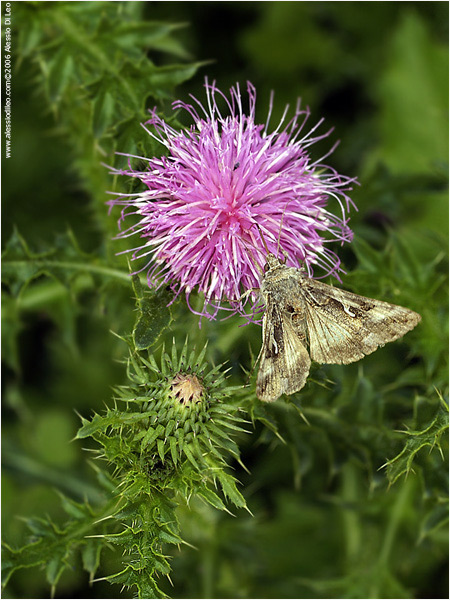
column 378, row 73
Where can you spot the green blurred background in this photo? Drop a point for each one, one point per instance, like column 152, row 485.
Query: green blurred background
column 326, row 523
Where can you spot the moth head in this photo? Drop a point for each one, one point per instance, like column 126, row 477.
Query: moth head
column 272, row 262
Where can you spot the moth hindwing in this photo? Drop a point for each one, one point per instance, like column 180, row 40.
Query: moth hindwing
column 337, row 326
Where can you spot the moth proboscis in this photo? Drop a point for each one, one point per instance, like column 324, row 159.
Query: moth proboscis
column 337, row 326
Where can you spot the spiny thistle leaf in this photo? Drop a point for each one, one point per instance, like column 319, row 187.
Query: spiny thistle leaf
column 113, row 419
column 103, row 42
column 230, row 490
column 430, row 437
column 140, row 579
column 100, row 98
column 54, row 547
column 151, row 524
column 90, row 555
column 64, row 261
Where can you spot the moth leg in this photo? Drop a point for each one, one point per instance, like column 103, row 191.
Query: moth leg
column 247, row 293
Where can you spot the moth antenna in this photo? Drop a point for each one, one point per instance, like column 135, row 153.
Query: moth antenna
column 262, row 238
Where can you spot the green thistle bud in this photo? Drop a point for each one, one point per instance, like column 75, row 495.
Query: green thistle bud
column 176, row 429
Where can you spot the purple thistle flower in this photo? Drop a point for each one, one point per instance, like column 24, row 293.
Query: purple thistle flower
column 227, row 188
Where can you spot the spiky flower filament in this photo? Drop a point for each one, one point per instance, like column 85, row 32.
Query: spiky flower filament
column 223, row 178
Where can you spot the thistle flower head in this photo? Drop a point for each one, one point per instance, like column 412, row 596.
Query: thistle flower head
column 227, row 188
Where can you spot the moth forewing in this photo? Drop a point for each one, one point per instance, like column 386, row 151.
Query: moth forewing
column 285, row 361
column 340, row 327
column 343, row 327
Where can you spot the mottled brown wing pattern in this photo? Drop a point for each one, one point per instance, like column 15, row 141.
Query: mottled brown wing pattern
column 344, row 327
column 338, row 326
column 285, row 361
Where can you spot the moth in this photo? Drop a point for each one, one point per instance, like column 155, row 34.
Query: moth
column 337, row 326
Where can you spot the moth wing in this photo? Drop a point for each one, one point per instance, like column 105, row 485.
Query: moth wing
column 344, row 327
column 285, row 361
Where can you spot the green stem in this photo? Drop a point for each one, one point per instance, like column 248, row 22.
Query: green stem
column 82, row 266
column 352, row 525
column 45, row 292
column 396, row 516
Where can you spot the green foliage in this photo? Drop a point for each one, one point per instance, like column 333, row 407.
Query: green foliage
column 154, row 315
column 55, row 546
column 64, row 261
column 348, row 481
column 175, row 426
column 98, row 54
column 171, row 438
column 51, row 279
column 91, row 62
column 431, row 438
